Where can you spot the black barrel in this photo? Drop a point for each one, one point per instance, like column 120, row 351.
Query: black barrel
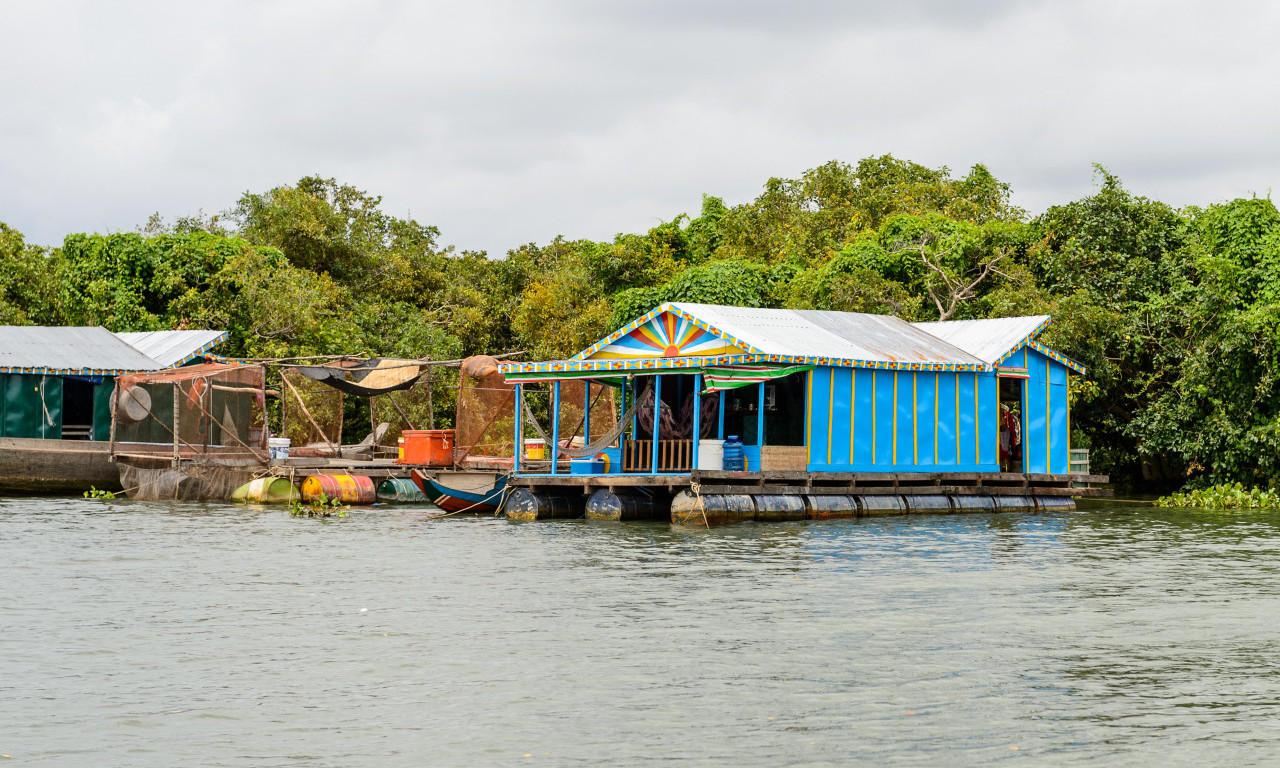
column 972, row 503
column 604, row 504
column 1055, row 503
column 771, row 509
column 822, row 507
column 934, row 503
column 524, row 504
column 882, row 505
column 1015, row 504
column 710, row 509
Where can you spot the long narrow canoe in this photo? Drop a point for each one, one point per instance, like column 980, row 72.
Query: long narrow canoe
column 473, row 492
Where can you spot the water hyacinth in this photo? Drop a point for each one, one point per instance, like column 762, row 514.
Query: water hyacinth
column 1229, row 496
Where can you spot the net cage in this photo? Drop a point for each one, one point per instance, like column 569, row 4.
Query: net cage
column 401, row 410
column 211, row 408
column 578, row 437
column 485, row 421
column 310, row 415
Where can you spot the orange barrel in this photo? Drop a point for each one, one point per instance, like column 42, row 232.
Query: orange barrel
column 427, row 447
column 349, row 489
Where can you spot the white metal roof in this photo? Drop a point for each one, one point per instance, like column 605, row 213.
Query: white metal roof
column 170, row 348
column 843, row 335
column 42, row 349
column 988, row 340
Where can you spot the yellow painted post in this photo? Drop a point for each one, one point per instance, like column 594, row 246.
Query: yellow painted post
column 977, row 425
column 1048, row 455
column 1068, row 420
column 935, row 419
column 874, row 387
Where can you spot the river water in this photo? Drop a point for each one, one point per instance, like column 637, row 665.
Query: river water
column 147, row 634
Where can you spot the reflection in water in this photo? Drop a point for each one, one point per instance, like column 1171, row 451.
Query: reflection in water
column 152, row 634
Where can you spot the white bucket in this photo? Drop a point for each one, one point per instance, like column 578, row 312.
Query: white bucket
column 710, row 454
column 278, row 447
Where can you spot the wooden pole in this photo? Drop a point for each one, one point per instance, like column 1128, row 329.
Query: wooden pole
column 431, row 410
column 657, row 413
column 697, row 418
column 518, row 430
column 555, row 428
column 307, row 413
column 176, row 458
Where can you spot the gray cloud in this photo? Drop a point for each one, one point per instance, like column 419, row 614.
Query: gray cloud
column 505, row 122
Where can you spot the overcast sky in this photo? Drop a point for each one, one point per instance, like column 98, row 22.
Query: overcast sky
column 511, row 121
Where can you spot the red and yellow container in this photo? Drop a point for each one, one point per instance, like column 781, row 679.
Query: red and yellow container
column 349, row 489
column 427, row 447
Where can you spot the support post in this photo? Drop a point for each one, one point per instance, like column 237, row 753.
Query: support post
column 555, row 427
column 697, row 418
column 519, row 429
column 657, row 413
column 176, row 458
column 760, row 417
column 720, row 430
column 586, row 412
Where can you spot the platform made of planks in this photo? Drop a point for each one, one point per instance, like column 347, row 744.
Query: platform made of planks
column 829, row 483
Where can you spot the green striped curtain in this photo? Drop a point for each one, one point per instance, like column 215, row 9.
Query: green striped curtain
column 735, row 376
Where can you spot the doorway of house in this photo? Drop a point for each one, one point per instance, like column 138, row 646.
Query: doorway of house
column 1012, row 424
column 77, row 409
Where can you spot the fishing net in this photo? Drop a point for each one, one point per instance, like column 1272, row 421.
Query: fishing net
column 407, row 409
column 485, row 423
column 198, row 409
column 311, row 415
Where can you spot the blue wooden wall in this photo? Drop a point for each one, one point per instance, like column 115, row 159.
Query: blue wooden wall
column 864, row 420
column 1045, row 404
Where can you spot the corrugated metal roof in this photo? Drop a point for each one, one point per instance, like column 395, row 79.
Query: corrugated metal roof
column 170, row 348
column 42, row 349
column 989, row 340
column 843, row 335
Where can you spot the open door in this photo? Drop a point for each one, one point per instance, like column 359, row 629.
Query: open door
column 1013, row 425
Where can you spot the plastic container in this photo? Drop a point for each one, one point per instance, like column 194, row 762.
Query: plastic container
column 399, row 449
column 349, row 489
column 278, row 447
column 266, row 490
column 735, row 459
column 535, row 448
column 710, row 454
column 427, row 447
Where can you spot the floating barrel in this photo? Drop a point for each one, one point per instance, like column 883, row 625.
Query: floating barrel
column 1055, row 503
column 882, row 505
column 604, row 504
column 524, row 504
column 710, row 509
column 1015, row 504
column 400, row 490
column 771, row 509
column 822, row 507
column 349, row 489
column 972, row 503
column 266, row 490
column 928, row 503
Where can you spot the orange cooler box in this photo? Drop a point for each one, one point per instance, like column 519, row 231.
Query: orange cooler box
column 427, row 447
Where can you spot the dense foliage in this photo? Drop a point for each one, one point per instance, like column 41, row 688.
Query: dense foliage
column 1234, row 496
column 1176, row 313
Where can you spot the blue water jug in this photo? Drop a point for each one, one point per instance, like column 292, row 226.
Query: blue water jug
column 735, row 458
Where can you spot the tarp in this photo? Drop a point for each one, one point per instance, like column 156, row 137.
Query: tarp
column 736, row 376
column 375, row 376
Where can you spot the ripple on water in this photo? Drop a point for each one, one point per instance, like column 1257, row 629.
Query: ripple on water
column 147, row 634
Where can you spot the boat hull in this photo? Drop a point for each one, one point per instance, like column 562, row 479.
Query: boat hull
column 471, row 492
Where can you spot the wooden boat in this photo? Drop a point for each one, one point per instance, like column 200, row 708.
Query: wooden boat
column 30, row 465
column 463, row 491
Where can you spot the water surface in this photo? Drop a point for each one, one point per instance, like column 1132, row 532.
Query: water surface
column 162, row 634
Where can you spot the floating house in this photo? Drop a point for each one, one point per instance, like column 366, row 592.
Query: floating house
column 55, row 398
column 803, row 390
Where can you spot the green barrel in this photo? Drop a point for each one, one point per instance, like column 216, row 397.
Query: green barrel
column 400, row 490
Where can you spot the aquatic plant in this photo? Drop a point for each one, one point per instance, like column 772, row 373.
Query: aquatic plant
column 1229, row 496
column 321, row 506
column 95, row 493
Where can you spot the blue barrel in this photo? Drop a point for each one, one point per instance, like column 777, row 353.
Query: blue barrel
column 735, row 458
